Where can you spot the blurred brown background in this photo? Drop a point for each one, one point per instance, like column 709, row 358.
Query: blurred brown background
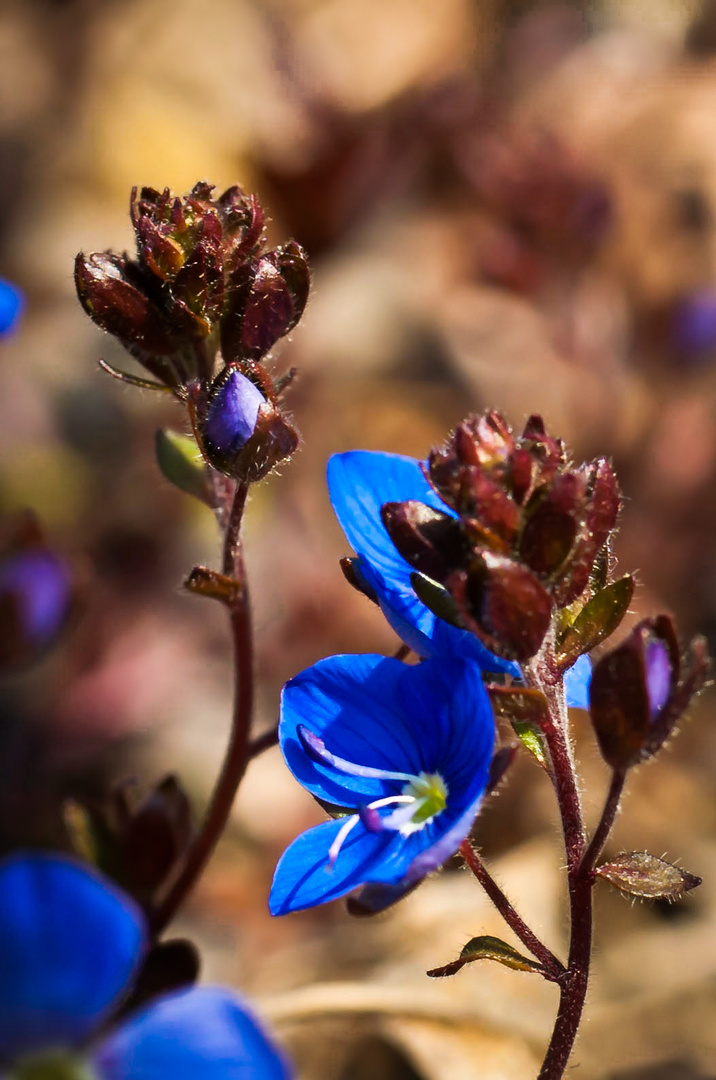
column 505, row 204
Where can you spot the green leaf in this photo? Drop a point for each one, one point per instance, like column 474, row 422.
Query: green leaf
column 532, row 739
column 597, row 620
column 637, row 873
column 488, row 948
column 181, row 464
column 436, row 597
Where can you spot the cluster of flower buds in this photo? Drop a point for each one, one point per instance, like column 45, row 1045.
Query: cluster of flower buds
column 200, row 307
column 521, row 534
column 640, row 689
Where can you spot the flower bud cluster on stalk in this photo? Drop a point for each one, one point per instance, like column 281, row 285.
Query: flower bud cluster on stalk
column 200, row 307
column 520, row 533
column 492, row 562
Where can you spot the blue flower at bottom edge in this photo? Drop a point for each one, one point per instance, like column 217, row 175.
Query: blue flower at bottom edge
column 407, row 749
column 70, row 945
column 360, row 482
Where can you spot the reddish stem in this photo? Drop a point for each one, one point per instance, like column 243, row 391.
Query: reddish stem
column 604, row 827
column 543, row 675
column 554, row 969
column 237, row 753
column 263, row 742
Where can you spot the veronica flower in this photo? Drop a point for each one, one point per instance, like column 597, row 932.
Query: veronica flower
column 360, row 482
column 406, row 750
column 70, row 946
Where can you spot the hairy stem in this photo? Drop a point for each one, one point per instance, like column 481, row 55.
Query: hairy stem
column 546, row 957
column 596, row 845
column 541, row 673
column 237, row 753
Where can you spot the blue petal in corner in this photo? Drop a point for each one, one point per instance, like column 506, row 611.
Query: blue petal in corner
column 69, row 945
column 202, row 1034
column 576, row 683
column 304, row 878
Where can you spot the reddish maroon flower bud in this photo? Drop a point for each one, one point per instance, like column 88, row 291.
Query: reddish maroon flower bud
column 197, row 291
column 137, row 843
column 156, row 835
column 551, row 527
column 503, row 604
column 244, row 222
column 266, row 300
column 599, row 518
column 639, row 692
column 429, row 540
column 113, row 295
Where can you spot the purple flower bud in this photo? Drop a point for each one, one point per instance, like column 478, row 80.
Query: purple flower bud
column 658, row 673
column 244, row 434
column 233, row 413
column 640, row 690
column 35, row 598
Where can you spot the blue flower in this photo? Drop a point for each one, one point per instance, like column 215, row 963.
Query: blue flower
column 35, row 600
column 11, row 305
column 407, row 749
column 70, row 945
column 360, row 482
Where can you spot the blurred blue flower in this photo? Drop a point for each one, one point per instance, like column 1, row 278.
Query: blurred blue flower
column 36, row 592
column 694, row 322
column 360, row 482
column 11, row 305
column 70, row 945
column 408, row 749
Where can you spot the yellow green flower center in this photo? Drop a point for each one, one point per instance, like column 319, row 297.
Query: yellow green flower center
column 430, row 793
column 52, row 1065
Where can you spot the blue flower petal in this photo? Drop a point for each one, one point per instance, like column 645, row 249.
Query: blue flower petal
column 11, row 305
column 423, row 632
column 377, row 712
column 576, row 683
column 69, row 944
column 359, row 483
column 304, row 879
column 200, row 1034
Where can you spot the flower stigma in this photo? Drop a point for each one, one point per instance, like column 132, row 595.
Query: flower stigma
column 422, row 798
column 51, row 1065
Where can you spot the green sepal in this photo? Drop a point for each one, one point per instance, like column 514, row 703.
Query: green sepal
column 488, row 948
column 181, row 464
column 532, row 739
column 436, row 597
column 597, row 620
column 526, row 710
